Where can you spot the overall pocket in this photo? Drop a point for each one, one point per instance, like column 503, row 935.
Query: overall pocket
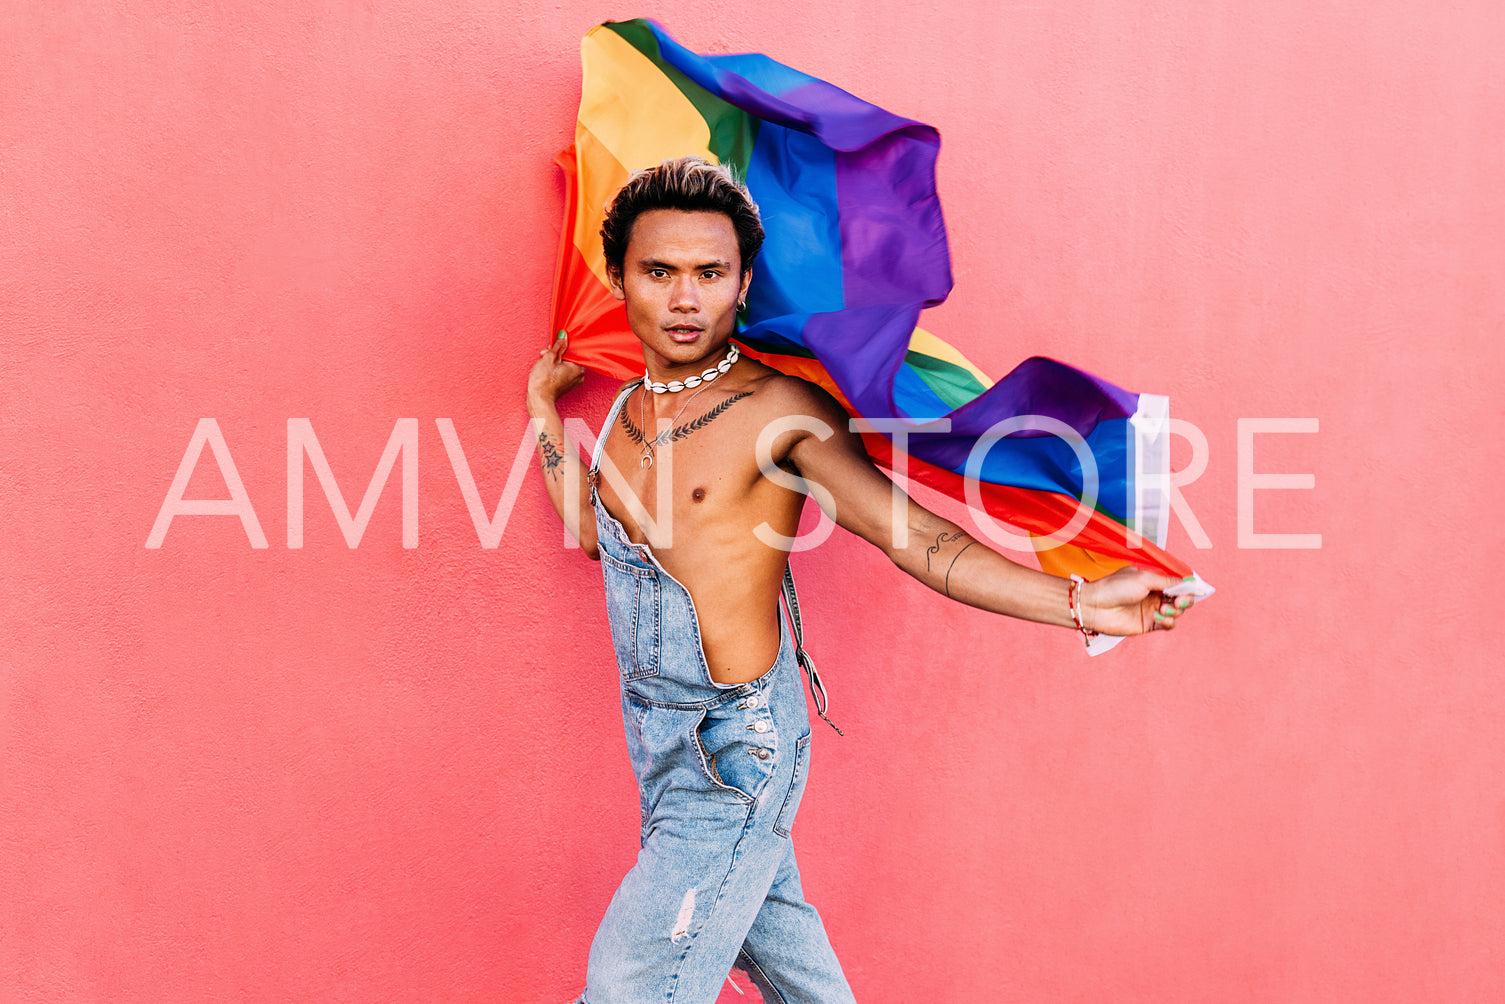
column 796, row 786
column 729, row 760
column 632, row 606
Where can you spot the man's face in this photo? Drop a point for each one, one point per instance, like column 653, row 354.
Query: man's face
column 681, row 280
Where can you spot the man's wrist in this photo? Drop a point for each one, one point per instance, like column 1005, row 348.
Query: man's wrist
column 541, row 406
column 1079, row 608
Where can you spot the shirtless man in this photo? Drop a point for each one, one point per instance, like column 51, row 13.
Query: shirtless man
column 713, row 706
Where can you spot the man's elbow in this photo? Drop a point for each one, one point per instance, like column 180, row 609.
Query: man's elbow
column 584, row 534
column 590, row 545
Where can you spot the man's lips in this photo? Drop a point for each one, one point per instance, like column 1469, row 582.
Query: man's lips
column 684, row 333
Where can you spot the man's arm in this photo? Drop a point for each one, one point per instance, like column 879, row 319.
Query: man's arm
column 949, row 560
column 563, row 474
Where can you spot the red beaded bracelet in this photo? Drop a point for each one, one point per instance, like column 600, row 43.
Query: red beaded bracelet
column 1074, row 601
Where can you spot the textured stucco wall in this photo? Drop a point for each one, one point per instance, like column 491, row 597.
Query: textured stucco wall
column 397, row 774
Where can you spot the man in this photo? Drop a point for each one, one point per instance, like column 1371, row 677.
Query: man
column 689, row 523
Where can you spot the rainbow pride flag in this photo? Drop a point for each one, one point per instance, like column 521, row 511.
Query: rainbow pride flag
column 855, row 249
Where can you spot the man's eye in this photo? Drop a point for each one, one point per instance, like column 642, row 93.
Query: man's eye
column 710, row 275
column 658, row 273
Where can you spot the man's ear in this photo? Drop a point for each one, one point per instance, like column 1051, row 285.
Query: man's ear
column 746, row 282
column 614, row 280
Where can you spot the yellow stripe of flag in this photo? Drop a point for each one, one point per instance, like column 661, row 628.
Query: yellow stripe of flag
column 927, row 344
column 608, row 146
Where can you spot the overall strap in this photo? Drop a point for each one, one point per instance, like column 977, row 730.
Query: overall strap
column 611, row 417
column 817, row 688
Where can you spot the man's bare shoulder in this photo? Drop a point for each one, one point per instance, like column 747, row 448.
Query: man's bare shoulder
column 779, row 395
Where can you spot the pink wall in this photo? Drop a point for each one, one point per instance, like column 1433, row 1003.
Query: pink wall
column 397, row 774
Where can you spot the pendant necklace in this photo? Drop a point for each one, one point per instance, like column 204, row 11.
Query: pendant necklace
column 650, row 443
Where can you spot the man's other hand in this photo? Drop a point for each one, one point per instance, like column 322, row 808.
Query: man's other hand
column 1130, row 602
column 551, row 376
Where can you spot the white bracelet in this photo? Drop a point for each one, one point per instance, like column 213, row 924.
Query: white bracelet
column 1074, row 601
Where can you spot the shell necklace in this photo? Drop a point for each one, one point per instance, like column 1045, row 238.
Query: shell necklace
column 650, row 443
column 690, row 383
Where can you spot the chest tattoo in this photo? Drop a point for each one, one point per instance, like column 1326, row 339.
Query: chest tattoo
column 679, row 432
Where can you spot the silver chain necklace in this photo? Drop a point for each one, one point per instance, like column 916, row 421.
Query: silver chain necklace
column 651, row 443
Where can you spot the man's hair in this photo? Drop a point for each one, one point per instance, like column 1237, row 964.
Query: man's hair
column 687, row 183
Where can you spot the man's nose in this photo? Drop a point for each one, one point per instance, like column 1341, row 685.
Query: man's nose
column 685, row 296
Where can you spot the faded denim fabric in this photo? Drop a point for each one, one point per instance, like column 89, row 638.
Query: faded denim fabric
column 720, row 770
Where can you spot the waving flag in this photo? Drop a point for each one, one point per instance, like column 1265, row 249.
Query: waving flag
column 855, row 249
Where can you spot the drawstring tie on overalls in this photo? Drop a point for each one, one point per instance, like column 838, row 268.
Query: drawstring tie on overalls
column 817, row 688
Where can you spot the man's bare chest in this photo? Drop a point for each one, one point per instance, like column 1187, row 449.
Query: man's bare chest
column 702, row 467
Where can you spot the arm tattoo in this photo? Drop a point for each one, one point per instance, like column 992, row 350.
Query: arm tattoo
column 550, row 455
column 946, row 538
column 941, row 538
column 953, row 562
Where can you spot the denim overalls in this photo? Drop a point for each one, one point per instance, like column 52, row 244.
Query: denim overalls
column 720, row 770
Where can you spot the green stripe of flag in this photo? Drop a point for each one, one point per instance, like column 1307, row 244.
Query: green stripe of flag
column 953, row 384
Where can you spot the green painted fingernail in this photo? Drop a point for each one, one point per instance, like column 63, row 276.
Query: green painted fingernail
column 560, row 335
column 1159, row 616
column 1187, row 579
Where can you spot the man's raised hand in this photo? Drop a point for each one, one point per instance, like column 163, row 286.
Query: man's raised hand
column 551, row 376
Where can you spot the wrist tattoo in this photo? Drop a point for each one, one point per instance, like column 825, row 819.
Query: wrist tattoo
column 550, row 455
